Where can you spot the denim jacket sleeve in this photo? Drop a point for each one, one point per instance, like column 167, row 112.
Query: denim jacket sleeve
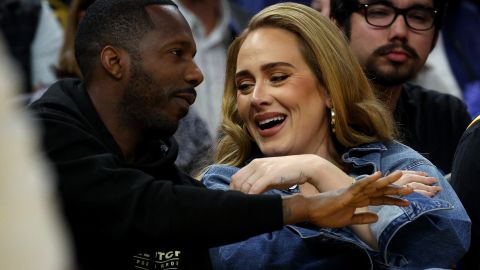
column 430, row 232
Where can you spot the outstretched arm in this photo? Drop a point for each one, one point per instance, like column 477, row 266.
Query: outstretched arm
column 336, row 208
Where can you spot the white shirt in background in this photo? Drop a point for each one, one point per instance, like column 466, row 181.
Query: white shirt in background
column 211, row 59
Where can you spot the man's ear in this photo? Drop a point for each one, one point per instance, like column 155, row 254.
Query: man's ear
column 114, row 61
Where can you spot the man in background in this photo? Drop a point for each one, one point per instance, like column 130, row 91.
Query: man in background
column 392, row 40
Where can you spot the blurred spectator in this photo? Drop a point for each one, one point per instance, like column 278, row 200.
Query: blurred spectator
column 255, row 6
column 323, row 6
column 437, row 73
column 214, row 24
column 462, row 45
column 67, row 65
column 34, row 37
column 32, row 235
column 60, row 9
column 453, row 66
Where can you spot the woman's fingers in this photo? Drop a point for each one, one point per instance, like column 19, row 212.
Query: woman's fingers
column 240, row 180
column 274, row 172
column 410, row 177
column 414, row 172
column 423, row 189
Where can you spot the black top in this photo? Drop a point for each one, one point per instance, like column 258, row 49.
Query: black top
column 431, row 123
column 466, row 182
column 123, row 213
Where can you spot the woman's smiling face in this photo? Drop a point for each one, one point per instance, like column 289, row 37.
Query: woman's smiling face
column 279, row 97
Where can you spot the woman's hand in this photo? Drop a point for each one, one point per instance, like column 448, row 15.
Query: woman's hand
column 420, row 182
column 283, row 172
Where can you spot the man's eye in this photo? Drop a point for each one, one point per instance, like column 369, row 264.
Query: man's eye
column 419, row 16
column 379, row 12
column 177, row 52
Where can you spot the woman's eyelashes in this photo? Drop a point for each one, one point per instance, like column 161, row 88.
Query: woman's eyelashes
column 245, row 86
column 278, row 78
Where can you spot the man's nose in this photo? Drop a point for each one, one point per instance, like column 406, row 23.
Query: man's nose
column 194, row 75
column 399, row 28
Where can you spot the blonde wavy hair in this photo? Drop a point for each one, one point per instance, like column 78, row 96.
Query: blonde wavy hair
column 360, row 117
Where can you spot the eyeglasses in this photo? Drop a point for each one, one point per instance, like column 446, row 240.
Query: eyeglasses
column 383, row 15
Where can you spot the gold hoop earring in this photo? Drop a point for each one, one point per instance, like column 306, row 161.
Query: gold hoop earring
column 332, row 119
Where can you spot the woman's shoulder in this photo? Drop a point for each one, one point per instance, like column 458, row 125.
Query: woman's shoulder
column 391, row 155
column 397, row 148
column 403, row 157
column 387, row 148
column 220, row 169
column 217, row 176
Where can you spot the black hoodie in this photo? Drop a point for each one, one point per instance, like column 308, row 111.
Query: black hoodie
column 137, row 214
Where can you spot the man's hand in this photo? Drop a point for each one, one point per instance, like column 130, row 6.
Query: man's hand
column 336, row 208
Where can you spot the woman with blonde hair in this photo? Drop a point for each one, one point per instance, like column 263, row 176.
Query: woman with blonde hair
column 296, row 99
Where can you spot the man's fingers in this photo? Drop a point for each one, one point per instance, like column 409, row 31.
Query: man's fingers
column 360, row 185
column 394, row 190
column 389, row 179
column 386, row 200
column 363, row 218
column 375, row 187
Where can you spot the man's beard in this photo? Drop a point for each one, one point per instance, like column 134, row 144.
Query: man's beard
column 141, row 106
column 397, row 73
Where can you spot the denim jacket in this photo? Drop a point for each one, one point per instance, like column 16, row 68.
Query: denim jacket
column 429, row 233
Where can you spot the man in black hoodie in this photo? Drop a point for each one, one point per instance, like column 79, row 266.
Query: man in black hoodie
column 109, row 139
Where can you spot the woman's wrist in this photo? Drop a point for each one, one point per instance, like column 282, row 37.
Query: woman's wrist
column 327, row 176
